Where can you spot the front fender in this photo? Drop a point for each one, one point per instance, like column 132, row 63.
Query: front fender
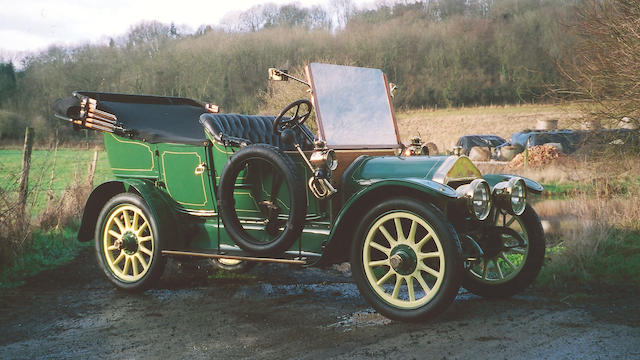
column 159, row 204
column 375, row 191
column 532, row 185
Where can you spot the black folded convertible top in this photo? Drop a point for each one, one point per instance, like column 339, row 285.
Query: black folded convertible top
column 154, row 118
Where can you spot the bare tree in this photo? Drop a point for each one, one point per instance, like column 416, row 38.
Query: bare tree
column 604, row 68
column 343, row 10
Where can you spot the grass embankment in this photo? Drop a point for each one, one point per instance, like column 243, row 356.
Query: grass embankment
column 58, row 187
column 594, row 240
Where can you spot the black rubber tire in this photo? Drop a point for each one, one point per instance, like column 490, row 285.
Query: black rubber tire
column 452, row 256
column 529, row 271
column 156, row 266
column 298, row 204
column 240, row 267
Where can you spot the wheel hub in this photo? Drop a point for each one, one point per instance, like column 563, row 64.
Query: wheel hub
column 492, row 244
column 130, row 243
column 403, row 260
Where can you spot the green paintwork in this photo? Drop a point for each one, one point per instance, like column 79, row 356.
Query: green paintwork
column 131, row 158
column 165, row 175
column 385, row 167
column 172, row 187
column 416, row 172
column 162, row 208
column 178, row 165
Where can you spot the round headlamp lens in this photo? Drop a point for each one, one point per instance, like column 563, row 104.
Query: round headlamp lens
column 518, row 197
column 481, row 200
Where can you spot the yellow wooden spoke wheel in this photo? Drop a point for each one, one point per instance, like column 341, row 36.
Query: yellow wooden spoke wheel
column 127, row 242
column 405, row 270
column 406, row 260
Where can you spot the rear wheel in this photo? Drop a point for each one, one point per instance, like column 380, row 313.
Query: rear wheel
column 512, row 259
column 406, row 260
column 232, row 265
column 128, row 243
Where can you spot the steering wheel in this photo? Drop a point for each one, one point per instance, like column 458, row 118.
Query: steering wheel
column 280, row 123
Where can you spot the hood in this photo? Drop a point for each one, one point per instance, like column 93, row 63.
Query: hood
column 441, row 169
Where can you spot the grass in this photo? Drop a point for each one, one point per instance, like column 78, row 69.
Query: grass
column 45, row 237
column 46, row 250
column 71, row 165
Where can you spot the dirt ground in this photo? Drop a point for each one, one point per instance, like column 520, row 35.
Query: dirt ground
column 280, row 312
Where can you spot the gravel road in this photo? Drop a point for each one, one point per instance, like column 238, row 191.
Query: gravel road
column 281, row 312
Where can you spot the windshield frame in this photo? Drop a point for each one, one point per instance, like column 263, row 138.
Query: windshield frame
column 319, row 119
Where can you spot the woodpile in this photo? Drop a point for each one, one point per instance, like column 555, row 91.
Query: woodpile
column 540, row 155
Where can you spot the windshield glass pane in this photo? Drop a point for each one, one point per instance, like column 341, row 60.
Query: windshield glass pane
column 352, row 106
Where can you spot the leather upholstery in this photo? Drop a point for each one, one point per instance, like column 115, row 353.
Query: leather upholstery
column 240, row 129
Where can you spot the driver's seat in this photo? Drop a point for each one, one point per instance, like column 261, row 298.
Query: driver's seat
column 240, row 130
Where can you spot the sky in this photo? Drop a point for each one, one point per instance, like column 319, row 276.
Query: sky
column 33, row 25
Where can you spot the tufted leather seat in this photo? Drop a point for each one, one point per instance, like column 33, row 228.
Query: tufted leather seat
column 240, row 129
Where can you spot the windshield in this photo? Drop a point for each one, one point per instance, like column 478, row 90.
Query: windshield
column 352, row 107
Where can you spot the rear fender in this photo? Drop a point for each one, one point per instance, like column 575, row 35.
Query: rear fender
column 347, row 221
column 158, row 202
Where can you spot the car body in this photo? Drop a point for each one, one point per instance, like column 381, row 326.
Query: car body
column 192, row 183
column 467, row 142
column 569, row 141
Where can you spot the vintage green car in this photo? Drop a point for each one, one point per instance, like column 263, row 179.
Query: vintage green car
column 191, row 182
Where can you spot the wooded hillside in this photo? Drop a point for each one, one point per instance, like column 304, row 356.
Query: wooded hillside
column 439, row 52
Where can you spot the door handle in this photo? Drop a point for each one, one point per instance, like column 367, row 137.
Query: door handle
column 200, row 169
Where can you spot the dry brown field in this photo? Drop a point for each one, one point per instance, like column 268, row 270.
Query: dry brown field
column 444, row 126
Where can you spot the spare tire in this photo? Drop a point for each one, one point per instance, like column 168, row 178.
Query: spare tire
column 280, row 233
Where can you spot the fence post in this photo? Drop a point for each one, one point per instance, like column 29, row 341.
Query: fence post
column 53, row 165
column 92, row 168
column 23, row 188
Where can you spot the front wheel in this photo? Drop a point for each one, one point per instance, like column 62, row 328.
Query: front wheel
column 512, row 258
column 406, row 260
column 128, row 243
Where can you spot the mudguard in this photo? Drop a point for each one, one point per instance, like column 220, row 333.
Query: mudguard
column 532, row 185
column 375, row 190
column 158, row 201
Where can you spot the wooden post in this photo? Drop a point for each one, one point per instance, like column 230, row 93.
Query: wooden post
column 53, row 165
column 23, row 188
column 92, row 168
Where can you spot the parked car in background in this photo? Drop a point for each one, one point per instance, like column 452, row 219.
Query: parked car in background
column 468, row 142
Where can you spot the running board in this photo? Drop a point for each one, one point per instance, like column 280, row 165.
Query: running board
column 244, row 258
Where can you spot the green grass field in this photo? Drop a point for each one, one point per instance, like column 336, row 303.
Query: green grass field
column 51, row 174
column 67, row 166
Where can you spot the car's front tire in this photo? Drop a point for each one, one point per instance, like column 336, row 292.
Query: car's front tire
column 509, row 266
column 406, row 260
column 128, row 243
